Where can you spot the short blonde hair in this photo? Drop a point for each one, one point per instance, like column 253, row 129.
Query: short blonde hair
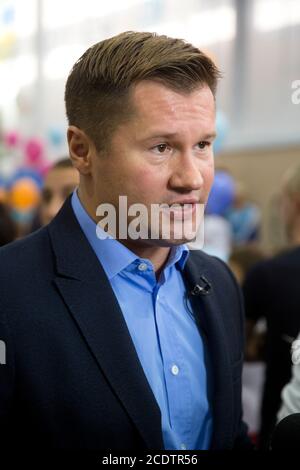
column 97, row 94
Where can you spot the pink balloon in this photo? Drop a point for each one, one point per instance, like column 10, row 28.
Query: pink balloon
column 34, row 152
column 12, row 139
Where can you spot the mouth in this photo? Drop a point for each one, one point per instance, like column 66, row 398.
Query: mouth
column 181, row 211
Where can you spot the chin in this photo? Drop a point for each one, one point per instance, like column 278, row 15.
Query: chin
column 171, row 242
column 174, row 237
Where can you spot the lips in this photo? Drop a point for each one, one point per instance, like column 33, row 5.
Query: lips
column 185, row 201
column 181, row 211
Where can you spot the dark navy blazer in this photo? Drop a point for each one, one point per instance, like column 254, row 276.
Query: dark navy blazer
column 72, row 378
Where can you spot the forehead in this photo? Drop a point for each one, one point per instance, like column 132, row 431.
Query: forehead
column 156, row 103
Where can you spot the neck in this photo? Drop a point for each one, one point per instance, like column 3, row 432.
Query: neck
column 158, row 255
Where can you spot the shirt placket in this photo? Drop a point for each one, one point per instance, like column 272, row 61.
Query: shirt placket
column 176, row 380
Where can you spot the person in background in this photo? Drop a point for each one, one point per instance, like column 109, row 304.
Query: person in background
column 59, row 183
column 271, row 291
column 242, row 259
column 244, row 217
column 290, row 395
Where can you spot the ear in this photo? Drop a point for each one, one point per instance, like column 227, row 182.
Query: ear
column 81, row 149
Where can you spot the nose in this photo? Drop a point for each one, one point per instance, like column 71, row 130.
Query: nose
column 186, row 174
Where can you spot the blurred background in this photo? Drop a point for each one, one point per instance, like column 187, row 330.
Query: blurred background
column 255, row 43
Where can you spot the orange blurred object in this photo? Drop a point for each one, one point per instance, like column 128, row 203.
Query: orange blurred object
column 24, row 195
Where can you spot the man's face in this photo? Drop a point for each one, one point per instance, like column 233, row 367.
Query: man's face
column 162, row 155
column 59, row 183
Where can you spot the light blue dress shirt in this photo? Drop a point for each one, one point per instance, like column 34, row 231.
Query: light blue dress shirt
column 166, row 338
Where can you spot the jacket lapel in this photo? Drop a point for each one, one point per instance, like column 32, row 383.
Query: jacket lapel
column 209, row 317
column 87, row 292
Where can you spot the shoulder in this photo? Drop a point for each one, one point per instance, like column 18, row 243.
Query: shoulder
column 24, row 260
column 24, row 247
column 271, row 273
column 286, row 259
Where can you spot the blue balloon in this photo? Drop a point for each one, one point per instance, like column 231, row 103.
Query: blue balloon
column 26, row 173
column 8, row 15
column 221, row 195
column 3, row 182
column 56, row 136
column 222, row 129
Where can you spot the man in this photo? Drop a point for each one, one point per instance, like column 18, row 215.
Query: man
column 105, row 349
column 271, row 291
column 60, row 181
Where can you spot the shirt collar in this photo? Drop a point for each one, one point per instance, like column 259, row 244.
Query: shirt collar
column 112, row 254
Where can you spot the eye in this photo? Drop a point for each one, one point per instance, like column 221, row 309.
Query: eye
column 203, row 144
column 161, row 148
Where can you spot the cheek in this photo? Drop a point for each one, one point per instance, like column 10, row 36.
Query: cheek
column 147, row 183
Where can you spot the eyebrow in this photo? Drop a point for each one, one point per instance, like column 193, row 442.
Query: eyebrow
column 170, row 135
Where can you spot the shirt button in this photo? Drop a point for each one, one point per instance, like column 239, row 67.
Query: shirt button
column 142, row 267
column 183, row 447
column 175, row 370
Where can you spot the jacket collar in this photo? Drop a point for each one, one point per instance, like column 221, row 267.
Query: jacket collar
column 209, row 318
column 86, row 290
